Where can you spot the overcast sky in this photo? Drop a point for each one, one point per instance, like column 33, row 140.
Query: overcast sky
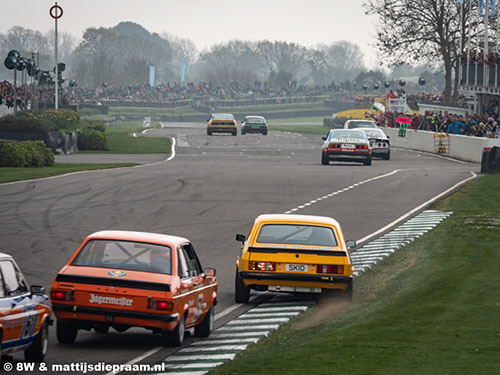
column 207, row 22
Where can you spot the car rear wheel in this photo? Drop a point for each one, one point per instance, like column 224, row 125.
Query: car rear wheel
column 207, row 324
column 265, row 132
column 387, row 156
column 38, row 349
column 368, row 161
column 175, row 337
column 235, row 132
column 324, row 159
column 209, row 132
column 66, row 332
column 242, row 292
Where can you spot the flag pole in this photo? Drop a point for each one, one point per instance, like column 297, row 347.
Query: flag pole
column 468, row 42
column 486, row 47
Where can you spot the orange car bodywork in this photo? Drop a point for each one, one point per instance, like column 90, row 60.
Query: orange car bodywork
column 125, row 298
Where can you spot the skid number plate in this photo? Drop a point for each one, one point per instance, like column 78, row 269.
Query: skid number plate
column 297, row 268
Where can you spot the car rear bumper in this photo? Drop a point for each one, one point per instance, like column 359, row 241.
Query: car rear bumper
column 348, row 156
column 253, row 130
column 222, row 129
column 109, row 314
column 274, row 276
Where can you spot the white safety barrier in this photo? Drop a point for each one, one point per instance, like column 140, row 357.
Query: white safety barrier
column 461, row 147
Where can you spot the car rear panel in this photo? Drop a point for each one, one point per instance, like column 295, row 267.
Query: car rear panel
column 222, row 125
column 297, row 267
column 92, row 294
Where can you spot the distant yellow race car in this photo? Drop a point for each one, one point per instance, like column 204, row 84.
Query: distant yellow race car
column 293, row 253
column 221, row 123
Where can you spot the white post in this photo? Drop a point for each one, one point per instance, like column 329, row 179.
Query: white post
column 57, row 68
column 486, row 78
column 468, row 42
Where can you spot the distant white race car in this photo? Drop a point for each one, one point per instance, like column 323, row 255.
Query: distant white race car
column 355, row 124
column 346, row 145
column 381, row 146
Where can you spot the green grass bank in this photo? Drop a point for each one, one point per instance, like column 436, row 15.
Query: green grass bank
column 430, row 308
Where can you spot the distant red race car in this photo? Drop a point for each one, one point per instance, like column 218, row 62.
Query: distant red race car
column 122, row 279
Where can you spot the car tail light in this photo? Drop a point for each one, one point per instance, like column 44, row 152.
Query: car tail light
column 262, row 266
column 329, row 268
column 362, row 146
column 162, row 305
column 333, row 145
column 65, row 295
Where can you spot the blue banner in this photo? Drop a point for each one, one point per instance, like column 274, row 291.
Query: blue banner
column 151, row 75
column 492, row 5
column 183, row 70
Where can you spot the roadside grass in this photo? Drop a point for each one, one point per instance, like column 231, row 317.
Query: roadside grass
column 430, row 308
column 236, row 110
column 121, row 141
column 9, row 174
column 304, row 129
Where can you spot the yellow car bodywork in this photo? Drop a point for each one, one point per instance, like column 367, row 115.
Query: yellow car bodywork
column 221, row 123
column 293, row 267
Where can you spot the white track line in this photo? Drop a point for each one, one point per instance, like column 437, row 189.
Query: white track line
column 416, row 209
column 172, row 155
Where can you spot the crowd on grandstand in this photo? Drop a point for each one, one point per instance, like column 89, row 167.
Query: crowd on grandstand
column 477, row 125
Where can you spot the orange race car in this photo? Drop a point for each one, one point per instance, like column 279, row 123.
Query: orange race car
column 25, row 313
column 122, row 279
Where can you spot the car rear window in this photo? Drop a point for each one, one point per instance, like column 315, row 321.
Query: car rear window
column 361, row 124
column 126, row 255
column 255, row 120
column 222, row 117
column 297, row 235
column 347, row 134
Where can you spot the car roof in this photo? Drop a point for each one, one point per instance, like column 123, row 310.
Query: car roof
column 252, row 116
column 292, row 218
column 6, row 256
column 139, row 237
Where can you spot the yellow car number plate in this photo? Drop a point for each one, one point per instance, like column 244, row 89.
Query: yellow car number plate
column 297, row 268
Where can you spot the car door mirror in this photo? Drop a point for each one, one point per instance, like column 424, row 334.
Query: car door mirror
column 37, row 290
column 241, row 238
column 323, row 138
column 209, row 272
column 350, row 244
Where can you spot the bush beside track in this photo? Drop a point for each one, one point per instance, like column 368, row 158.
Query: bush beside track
column 430, row 308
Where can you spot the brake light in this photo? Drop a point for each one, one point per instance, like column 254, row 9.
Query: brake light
column 262, row 266
column 67, row 295
column 362, row 146
column 329, row 268
column 333, row 145
column 162, row 305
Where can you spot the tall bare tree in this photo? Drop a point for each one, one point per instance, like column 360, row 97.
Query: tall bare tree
column 413, row 31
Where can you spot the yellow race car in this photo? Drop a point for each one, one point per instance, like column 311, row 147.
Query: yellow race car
column 221, row 123
column 295, row 254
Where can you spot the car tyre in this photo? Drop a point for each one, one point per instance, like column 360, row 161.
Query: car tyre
column 66, row 332
column 243, row 133
column 175, row 337
column 242, row 292
column 387, row 156
column 101, row 329
column 368, row 161
column 207, row 324
column 235, row 132
column 325, row 160
column 265, row 132
column 209, row 132
column 38, row 349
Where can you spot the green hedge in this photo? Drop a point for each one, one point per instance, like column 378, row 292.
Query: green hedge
column 89, row 139
column 40, row 120
column 26, row 154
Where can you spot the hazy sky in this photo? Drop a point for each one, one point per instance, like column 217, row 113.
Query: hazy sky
column 207, row 22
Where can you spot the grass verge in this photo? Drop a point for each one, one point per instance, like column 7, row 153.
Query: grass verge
column 304, row 129
column 430, row 308
column 19, row 174
column 121, row 141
